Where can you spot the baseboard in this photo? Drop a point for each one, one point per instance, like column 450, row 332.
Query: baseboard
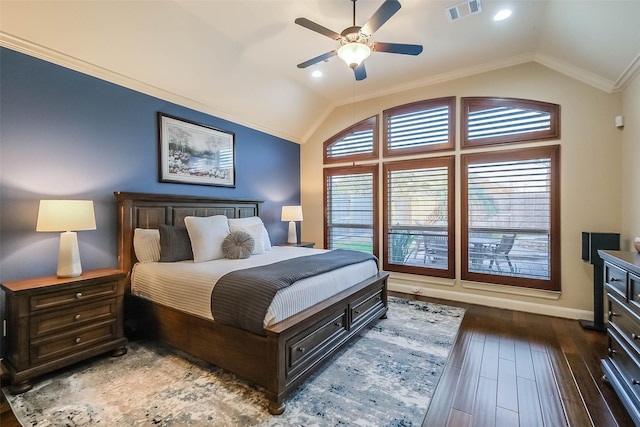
column 492, row 301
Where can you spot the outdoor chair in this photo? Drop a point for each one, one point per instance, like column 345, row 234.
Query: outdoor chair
column 501, row 250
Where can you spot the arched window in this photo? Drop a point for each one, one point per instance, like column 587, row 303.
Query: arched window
column 358, row 142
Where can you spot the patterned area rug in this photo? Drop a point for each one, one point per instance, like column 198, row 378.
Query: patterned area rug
column 385, row 378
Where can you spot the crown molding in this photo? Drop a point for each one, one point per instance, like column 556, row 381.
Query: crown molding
column 50, row 55
column 576, row 73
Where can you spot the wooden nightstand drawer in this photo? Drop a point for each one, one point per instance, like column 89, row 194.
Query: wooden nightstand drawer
column 625, row 322
column 59, row 345
column 626, row 362
column 73, row 317
column 73, row 295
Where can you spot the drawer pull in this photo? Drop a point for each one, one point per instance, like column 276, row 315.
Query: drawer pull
column 611, row 351
column 78, row 340
column 613, row 279
column 357, row 311
column 79, row 295
column 76, row 317
column 338, row 324
column 634, row 381
column 612, row 313
column 301, row 349
column 635, row 337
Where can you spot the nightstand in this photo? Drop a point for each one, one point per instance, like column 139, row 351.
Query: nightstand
column 54, row 322
column 299, row 244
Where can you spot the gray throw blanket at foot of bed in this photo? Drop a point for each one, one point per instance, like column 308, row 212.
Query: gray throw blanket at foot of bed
column 241, row 298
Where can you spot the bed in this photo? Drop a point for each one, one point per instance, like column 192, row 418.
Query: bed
column 288, row 352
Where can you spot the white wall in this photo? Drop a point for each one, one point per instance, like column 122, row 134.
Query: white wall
column 631, row 163
column 591, row 195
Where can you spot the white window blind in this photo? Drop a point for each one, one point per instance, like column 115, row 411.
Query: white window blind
column 350, row 211
column 360, row 142
column 503, row 121
column 418, row 215
column 509, row 218
column 422, row 128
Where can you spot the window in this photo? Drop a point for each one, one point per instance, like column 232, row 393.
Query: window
column 488, row 121
column 351, row 208
column 418, row 216
column 358, row 142
column 511, row 217
column 420, row 127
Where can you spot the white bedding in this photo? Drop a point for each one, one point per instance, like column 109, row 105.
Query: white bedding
column 187, row 286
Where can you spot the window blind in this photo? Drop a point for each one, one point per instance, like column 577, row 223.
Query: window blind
column 421, row 128
column 503, row 121
column 509, row 218
column 350, row 211
column 359, row 142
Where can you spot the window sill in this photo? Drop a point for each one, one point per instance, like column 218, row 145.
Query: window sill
column 512, row 290
column 408, row 279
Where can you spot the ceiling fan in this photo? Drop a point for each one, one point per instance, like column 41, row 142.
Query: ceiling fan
column 354, row 41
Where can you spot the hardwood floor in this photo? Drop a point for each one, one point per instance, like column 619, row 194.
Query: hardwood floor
column 509, row 368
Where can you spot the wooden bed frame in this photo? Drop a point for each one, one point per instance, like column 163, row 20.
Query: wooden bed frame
column 291, row 350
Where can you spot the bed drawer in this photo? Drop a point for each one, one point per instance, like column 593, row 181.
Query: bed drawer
column 57, row 346
column 72, row 318
column 360, row 308
column 305, row 348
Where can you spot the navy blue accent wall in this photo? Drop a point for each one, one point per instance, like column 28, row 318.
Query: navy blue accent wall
column 64, row 134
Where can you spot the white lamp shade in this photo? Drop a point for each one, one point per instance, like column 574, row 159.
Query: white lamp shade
column 291, row 213
column 354, row 53
column 66, row 215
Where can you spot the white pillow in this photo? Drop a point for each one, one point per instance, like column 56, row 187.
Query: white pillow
column 146, row 244
column 255, row 231
column 244, row 222
column 207, row 234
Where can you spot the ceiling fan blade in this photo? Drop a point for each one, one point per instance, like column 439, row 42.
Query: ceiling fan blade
column 405, row 49
column 360, row 72
column 317, row 28
column 317, row 59
column 380, row 16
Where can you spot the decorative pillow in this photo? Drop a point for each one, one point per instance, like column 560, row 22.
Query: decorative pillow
column 146, row 244
column 255, row 231
column 244, row 222
column 238, row 245
column 175, row 244
column 207, row 234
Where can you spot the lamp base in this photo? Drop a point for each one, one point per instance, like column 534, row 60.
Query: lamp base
column 69, row 255
column 293, row 234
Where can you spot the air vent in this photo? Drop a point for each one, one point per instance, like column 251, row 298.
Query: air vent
column 452, row 13
column 474, row 7
column 462, row 10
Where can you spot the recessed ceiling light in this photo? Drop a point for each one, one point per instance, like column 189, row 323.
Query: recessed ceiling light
column 316, row 74
column 502, row 15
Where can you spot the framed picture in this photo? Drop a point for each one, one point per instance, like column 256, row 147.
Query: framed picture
column 191, row 153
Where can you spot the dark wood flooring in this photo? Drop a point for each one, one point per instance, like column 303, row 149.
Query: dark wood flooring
column 509, row 368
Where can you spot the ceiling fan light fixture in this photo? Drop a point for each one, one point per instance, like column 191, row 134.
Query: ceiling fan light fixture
column 354, row 53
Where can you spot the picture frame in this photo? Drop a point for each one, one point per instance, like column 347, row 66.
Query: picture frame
column 193, row 153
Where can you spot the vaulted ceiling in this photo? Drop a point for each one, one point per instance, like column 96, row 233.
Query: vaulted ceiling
column 237, row 59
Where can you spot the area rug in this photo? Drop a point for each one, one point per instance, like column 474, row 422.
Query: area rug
column 386, row 377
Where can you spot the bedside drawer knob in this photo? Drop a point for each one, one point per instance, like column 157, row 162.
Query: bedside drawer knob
column 613, row 279
column 301, row 349
column 357, row 311
column 338, row 324
column 634, row 381
column 79, row 295
column 611, row 351
column 611, row 314
column 76, row 317
column 78, row 340
column 635, row 337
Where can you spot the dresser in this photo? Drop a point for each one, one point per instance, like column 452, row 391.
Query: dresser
column 622, row 366
column 53, row 322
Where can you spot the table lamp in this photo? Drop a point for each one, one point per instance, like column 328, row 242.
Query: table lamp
column 292, row 214
column 67, row 216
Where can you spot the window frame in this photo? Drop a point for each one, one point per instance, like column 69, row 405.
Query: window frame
column 550, row 151
column 468, row 102
column 433, row 162
column 366, row 124
column 449, row 102
column 354, row 170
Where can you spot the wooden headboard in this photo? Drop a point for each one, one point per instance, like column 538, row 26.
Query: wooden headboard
column 144, row 210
